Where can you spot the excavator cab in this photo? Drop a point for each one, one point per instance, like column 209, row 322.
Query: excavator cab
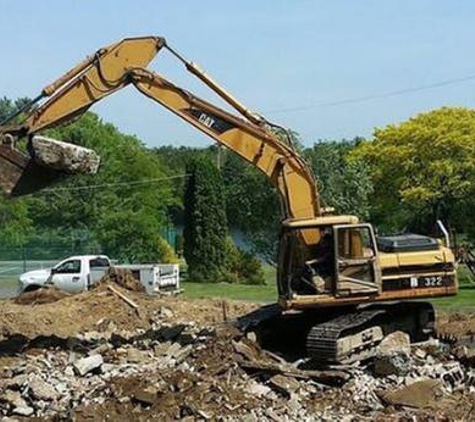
column 356, row 271
column 342, row 262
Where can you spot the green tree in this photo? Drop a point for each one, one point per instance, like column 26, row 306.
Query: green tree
column 241, row 266
column 343, row 183
column 423, row 169
column 252, row 205
column 205, row 221
column 123, row 207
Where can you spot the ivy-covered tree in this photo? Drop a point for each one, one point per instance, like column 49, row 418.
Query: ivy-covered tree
column 205, row 221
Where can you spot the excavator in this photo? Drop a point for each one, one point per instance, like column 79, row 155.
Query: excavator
column 341, row 288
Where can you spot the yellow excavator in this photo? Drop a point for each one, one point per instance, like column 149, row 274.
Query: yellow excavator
column 344, row 287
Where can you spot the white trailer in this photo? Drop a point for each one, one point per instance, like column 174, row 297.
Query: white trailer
column 156, row 278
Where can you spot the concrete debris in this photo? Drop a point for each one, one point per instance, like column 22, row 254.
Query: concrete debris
column 419, row 394
column 397, row 364
column 23, row 411
column 285, row 385
column 397, row 342
column 136, row 356
column 88, row 364
column 65, row 157
column 172, row 368
column 41, row 390
column 13, row 398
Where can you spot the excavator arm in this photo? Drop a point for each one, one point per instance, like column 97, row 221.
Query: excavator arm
column 121, row 64
column 91, row 80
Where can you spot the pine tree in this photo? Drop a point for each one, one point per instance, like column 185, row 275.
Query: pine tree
column 205, row 221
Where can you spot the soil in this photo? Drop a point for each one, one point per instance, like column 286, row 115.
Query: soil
column 40, row 296
column 49, row 312
column 122, row 278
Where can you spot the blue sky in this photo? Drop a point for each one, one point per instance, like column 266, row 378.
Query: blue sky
column 271, row 54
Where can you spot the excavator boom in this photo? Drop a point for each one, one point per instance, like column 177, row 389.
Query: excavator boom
column 114, row 67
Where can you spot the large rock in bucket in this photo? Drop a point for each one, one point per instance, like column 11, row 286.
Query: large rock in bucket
column 62, row 156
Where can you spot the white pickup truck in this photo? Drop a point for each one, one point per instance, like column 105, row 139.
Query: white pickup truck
column 73, row 275
column 77, row 273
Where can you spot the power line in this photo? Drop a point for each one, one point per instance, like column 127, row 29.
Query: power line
column 108, row 185
column 374, row 96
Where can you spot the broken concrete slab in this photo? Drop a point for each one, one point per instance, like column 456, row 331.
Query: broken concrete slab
column 13, row 398
column 247, row 349
column 329, row 376
column 397, row 342
column 395, row 364
column 136, row 356
column 146, row 396
column 418, row 395
column 41, row 390
column 88, row 364
column 283, row 384
column 23, row 411
column 58, row 155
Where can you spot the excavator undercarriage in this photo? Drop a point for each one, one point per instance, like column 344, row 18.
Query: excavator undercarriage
column 337, row 335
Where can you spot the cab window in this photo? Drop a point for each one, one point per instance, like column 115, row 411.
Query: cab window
column 98, row 263
column 72, row 266
column 355, row 243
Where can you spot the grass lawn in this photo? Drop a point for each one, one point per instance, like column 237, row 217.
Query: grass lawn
column 264, row 293
column 463, row 301
column 8, row 287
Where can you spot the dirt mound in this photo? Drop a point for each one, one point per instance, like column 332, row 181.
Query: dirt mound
column 122, row 278
column 100, row 309
column 456, row 323
column 47, row 294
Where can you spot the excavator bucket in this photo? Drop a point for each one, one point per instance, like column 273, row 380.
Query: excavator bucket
column 48, row 161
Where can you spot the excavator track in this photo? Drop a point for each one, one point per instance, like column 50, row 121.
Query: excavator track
column 355, row 335
column 324, row 341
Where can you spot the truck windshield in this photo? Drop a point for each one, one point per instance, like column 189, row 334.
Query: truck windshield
column 72, row 266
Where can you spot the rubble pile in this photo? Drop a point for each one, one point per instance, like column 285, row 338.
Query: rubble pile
column 177, row 363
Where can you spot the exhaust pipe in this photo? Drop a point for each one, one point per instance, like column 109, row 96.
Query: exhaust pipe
column 48, row 161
